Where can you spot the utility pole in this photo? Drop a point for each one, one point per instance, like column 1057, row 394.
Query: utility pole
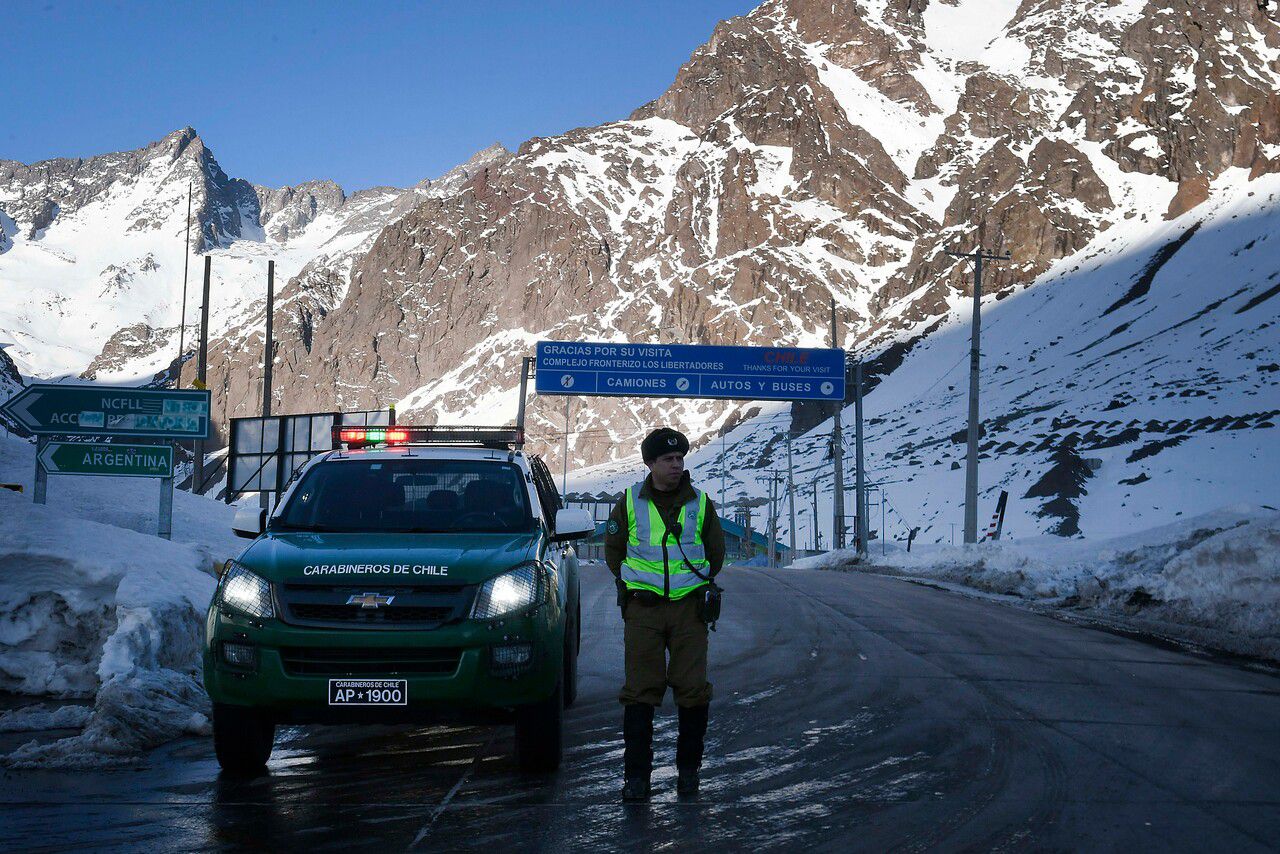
column 564, row 476
column 860, row 484
column 773, row 521
column 268, row 356
column 816, row 542
column 525, row 363
column 202, row 364
column 724, row 464
column 186, row 260
column 776, row 479
column 971, row 461
column 791, row 495
column 837, row 452
column 882, row 545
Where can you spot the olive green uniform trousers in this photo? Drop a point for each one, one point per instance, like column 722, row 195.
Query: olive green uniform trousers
column 651, row 634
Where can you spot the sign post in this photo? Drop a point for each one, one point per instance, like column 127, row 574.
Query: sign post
column 165, row 528
column 40, row 488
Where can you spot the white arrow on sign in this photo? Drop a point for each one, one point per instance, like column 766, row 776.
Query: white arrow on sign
column 827, row 388
column 20, row 408
column 46, row 458
column 682, row 384
column 567, row 381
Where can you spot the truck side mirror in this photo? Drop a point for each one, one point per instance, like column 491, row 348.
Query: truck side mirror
column 249, row 522
column 573, row 523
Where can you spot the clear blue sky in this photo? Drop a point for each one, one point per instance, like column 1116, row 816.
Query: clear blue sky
column 361, row 93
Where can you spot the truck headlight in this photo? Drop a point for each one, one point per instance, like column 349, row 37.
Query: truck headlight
column 245, row 592
column 512, row 591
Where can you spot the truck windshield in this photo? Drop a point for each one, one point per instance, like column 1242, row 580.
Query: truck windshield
column 410, row 496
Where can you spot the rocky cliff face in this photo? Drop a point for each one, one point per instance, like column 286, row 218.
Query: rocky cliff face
column 809, row 151
column 289, row 210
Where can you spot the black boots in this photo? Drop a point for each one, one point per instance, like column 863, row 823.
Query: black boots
column 637, row 757
column 689, row 744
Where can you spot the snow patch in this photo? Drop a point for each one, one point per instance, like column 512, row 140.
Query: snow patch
column 94, row 610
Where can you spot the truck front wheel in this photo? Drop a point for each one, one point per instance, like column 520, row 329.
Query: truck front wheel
column 570, row 675
column 540, row 733
column 242, row 739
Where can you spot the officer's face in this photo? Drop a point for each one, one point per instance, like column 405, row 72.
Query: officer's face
column 666, row 471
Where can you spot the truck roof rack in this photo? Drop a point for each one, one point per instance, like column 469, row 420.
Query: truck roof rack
column 500, row 438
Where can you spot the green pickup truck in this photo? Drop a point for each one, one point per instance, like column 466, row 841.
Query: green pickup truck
column 400, row 583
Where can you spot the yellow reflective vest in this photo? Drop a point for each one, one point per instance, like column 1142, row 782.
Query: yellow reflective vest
column 658, row 559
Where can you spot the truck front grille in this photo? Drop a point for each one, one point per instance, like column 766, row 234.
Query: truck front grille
column 370, row 661
column 367, row 616
column 423, row 606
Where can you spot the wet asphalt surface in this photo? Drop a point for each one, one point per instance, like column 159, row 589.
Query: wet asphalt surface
column 852, row 712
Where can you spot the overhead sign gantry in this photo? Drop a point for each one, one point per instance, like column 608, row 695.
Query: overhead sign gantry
column 604, row 369
column 689, row 370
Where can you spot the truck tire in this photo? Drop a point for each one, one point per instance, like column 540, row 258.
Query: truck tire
column 570, row 676
column 540, row 733
column 242, row 739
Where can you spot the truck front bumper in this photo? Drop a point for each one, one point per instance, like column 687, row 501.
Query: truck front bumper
column 470, row 671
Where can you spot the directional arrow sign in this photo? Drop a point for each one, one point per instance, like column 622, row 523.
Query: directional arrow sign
column 114, row 460
column 96, row 410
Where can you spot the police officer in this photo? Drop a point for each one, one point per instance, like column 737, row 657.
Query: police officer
column 663, row 543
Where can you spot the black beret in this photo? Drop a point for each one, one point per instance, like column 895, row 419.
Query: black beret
column 664, row 440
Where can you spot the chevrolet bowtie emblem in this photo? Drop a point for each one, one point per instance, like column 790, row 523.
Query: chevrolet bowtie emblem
column 370, row 600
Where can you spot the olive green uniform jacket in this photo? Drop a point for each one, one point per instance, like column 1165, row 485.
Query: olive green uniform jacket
column 665, row 642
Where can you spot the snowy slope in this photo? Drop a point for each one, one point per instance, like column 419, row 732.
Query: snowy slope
column 1167, row 396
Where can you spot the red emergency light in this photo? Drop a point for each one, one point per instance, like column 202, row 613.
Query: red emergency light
column 359, row 437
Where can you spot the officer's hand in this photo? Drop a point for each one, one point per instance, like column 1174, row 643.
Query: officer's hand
column 622, row 592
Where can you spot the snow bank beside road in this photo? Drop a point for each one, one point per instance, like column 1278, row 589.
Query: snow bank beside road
column 1213, row 579
column 94, row 610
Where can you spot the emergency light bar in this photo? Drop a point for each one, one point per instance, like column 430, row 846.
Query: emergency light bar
column 489, row 437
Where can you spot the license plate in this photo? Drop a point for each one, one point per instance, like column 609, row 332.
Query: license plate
column 368, row 692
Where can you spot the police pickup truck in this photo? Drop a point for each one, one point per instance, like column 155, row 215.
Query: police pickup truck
column 409, row 575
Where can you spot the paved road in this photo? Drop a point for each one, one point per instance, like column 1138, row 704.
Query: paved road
column 853, row 712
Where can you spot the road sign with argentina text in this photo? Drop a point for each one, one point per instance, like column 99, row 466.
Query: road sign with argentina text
column 113, row 460
column 689, row 370
column 98, row 410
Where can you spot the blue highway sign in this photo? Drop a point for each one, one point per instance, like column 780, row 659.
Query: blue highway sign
column 689, row 370
column 97, row 410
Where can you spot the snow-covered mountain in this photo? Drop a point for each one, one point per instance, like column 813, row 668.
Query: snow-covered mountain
column 1126, row 153
column 93, row 255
